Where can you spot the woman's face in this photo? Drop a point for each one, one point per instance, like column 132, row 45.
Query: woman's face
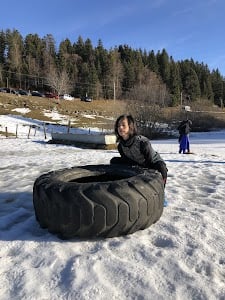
column 124, row 129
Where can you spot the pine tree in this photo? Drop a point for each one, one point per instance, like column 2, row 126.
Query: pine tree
column 2, row 56
column 127, row 59
column 2, row 47
column 79, row 47
column 164, row 66
column 49, row 53
column 175, row 83
column 192, row 86
column 217, row 86
column 103, row 64
column 33, row 59
column 152, row 62
column 14, row 57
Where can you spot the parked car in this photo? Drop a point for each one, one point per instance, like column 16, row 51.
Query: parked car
column 5, row 90
column 51, row 95
column 22, row 92
column 38, row 94
column 66, row 97
column 86, row 99
column 15, row 92
column 8, row 90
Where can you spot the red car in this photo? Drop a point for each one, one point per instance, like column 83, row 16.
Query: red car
column 51, row 95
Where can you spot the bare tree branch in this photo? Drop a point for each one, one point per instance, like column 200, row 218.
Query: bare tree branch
column 59, row 81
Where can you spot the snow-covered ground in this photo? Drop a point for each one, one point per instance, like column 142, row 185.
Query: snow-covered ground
column 181, row 257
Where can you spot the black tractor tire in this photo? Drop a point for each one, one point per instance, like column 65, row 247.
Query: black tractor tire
column 98, row 200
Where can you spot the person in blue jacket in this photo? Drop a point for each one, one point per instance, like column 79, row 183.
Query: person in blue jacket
column 136, row 149
column 184, row 130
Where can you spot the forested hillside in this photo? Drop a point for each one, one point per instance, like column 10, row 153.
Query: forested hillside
column 35, row 63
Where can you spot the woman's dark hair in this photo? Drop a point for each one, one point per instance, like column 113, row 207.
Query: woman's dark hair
column 131, row 123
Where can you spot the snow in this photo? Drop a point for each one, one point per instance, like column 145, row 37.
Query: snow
column 182, row 256
column 22, row 110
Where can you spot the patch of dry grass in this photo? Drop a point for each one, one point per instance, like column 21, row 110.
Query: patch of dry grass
column 98, row 113
column 6, row 134
column 102, row 113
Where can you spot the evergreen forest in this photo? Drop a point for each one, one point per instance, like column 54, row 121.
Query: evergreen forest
column 35, row 63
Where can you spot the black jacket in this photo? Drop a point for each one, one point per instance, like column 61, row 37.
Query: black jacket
column 184, row 127
column 138, row 151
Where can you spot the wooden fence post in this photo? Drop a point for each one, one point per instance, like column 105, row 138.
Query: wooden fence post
column 44, row 131
column 68, row 129
column 29, row 132
column 16, row 130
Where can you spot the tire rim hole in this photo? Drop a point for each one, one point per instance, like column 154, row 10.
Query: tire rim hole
column 100, row 178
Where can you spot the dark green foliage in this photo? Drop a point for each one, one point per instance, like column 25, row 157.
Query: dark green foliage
column 190, row 81
column 175, row 85
column 2, row 47
column 152, row 62
column 217, row 85
column 164, row 65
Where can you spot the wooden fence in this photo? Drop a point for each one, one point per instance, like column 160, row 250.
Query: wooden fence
column 17, row 133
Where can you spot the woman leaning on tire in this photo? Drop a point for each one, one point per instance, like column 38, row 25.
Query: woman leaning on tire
column 136, row 149
column 105, row 200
